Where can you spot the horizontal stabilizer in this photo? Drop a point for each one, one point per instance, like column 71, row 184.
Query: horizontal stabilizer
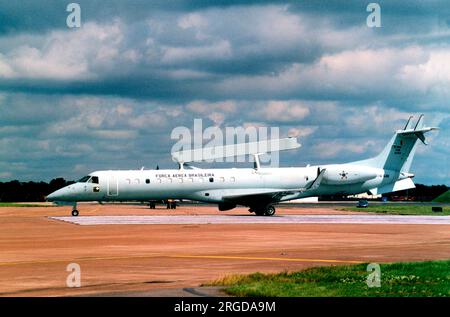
column 419, row 133
column 234, row 150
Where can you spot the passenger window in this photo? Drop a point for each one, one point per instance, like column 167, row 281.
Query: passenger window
column 147, row 181
column 211, row 179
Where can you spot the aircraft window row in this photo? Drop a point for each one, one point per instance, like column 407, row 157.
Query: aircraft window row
column 190, row 180
column 95, row 180
column 136, row 181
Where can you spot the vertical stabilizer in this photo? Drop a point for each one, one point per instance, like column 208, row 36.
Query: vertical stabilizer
column 399, row 152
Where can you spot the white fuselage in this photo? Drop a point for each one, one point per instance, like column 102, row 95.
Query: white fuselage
column 213, row 185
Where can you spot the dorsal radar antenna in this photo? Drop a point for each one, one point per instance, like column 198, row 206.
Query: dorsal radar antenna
column 234, row 150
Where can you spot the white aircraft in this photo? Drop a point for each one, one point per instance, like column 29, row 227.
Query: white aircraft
column 258, row 188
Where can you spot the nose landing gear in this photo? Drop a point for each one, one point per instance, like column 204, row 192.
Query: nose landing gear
column 75, row 211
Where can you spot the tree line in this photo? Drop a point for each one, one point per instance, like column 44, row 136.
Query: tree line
column 15, row 191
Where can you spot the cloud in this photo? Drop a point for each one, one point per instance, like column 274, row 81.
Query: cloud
column 65, row 55
column 219, row 50
column 358, row 74
column 108, row 95
column 335, row 148
column 284, row 111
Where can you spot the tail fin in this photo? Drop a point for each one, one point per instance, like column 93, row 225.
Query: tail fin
column 399, row 152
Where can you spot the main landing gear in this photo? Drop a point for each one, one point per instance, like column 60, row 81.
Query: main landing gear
column 75, row 211
column 268, row 210
column 171, row 204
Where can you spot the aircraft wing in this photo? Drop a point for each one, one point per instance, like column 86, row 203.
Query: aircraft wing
column 260, row 198
column 265, row 197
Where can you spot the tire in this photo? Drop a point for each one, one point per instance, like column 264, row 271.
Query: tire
column 75, row 213
column 270, row 211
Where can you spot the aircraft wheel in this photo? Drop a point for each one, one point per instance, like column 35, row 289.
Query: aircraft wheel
column 75, row 212
column 270, row 211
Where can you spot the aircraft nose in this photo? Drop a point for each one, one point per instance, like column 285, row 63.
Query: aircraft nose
column 58, row 194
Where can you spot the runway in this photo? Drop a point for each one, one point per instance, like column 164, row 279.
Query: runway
column 250, row 219
column 131, row 250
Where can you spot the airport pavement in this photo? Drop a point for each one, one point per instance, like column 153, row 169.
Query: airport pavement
column 164, row 259
column 251, row 219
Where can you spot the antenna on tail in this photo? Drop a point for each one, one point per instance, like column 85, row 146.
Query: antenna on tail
column 419, row 123
column 407, row 123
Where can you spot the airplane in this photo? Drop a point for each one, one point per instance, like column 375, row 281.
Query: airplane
column 258, row 188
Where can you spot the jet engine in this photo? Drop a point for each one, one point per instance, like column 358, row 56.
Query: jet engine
column 348, row 174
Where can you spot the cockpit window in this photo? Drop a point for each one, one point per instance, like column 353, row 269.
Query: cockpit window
column 94, row 179
column 83, row 179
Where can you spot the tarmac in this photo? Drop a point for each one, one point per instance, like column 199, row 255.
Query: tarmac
column 250, row 219
column 174, row 252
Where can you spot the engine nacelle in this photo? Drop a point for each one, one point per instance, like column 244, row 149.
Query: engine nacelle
column 348, row 174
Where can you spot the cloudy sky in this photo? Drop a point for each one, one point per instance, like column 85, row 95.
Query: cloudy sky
column 108, row 94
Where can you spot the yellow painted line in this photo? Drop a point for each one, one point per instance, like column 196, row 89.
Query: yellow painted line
column 262, row 258
column 218, row 257
column 80, row 260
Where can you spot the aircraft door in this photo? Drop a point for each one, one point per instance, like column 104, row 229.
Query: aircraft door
column 113, row 186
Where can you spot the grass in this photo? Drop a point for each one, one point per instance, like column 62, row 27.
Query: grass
column 422, row 279
column 401, row 210
column 23, row 205
column 443, row 198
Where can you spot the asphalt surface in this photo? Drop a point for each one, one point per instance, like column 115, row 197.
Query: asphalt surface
column 160, row 252
column 251, row 219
